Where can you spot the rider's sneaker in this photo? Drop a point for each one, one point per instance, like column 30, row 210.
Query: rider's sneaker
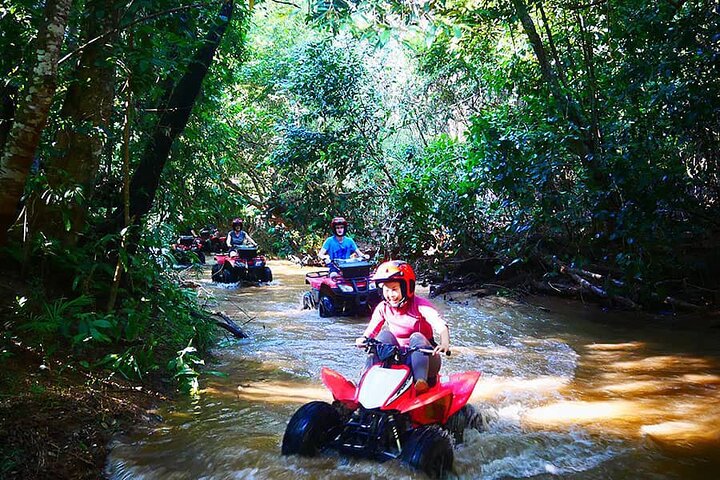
column 421, row 386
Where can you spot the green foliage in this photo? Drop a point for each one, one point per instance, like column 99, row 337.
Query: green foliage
column 151, row 325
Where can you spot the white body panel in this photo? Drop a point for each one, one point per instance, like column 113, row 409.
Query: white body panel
column 379, row 384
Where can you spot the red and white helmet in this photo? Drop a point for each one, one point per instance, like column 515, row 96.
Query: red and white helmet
column 397, row 271
column 338, row 221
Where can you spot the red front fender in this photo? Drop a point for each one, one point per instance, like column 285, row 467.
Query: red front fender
column 341, row 388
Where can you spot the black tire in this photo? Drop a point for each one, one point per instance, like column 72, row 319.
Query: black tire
column 200, row 256
column 326, row 306
column 228, row 276
column 217, row 273
column 267, row 275
column 430, row 450
column 466, row 417
column 307, row 302
column 310, row 429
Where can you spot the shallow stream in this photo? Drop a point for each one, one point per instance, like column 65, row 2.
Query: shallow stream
column 567, row 392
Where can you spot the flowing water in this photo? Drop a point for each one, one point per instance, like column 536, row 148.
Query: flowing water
column 566, row 392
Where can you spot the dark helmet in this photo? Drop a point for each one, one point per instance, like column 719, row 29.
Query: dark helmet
column 397, row 271
column 338, row 221
column 236, row 222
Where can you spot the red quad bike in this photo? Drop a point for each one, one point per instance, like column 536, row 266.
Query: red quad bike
column 348, row 293
column 384, row 418
column 187, row 250
column 212, row 240
column 241, row 264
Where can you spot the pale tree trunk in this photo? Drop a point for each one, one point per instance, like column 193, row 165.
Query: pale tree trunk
column 87, row 110
column 32, row 113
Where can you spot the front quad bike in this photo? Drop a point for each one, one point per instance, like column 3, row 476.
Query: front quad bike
column 350, row 292
column 241, row 264
column 188, row 250
column 384, row 418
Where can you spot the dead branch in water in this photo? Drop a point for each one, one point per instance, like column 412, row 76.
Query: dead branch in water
column 223, row 321
column 586, row 285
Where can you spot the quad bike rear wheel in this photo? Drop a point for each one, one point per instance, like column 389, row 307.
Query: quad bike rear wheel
column 429, row 449
column 326, row 306
column 267, row 275
column 310, row 429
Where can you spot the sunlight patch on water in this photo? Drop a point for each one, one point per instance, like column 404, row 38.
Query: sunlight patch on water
column 489, row 388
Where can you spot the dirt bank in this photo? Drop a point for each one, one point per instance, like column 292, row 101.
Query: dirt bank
column 56, row 421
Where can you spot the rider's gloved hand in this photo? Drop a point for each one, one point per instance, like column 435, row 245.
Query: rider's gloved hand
column 360, row 342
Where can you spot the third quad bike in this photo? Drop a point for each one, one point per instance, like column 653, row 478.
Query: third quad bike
column 241, row 264
column 347, row 293
column 212, row 240
column 188, row 250
column 384, row 417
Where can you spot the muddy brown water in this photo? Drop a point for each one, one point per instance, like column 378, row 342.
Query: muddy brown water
column 567, row 392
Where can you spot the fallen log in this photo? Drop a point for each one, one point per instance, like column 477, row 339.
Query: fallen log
column 676, row 302
column 592, row 288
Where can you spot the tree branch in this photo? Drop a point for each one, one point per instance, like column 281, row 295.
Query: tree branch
column 126, row 26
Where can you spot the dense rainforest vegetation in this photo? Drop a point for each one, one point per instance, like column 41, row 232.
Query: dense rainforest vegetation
column 561, row 145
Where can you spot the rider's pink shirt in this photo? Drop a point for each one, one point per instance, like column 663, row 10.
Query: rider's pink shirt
column 417, row 315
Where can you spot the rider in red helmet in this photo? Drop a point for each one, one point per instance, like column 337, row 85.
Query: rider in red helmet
column 338, row 246
column 407, row 320
column 238, row 237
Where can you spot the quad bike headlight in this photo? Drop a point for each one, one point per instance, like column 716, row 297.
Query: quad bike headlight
column 372, row 286
column 345, row 288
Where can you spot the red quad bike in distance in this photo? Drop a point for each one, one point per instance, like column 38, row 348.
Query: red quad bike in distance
column 188, row 250
column 213, row 241
column 242, row 263
column 350, row 292
column 384, row 418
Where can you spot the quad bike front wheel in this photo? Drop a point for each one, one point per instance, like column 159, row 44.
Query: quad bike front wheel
column 307, row 301
column 326, row 306
column 310, row 429
column 429, row 449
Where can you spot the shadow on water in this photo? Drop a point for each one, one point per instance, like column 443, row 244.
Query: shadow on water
column 570, row 393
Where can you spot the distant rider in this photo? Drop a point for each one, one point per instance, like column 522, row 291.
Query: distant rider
column 407, row 320
column 339, row 246
column 237, row 237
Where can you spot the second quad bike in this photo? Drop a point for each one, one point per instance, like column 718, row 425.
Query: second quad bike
column 241, row 264
column 349, row 292
column 384, row 418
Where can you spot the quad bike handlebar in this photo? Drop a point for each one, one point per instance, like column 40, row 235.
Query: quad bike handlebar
column 385, row 350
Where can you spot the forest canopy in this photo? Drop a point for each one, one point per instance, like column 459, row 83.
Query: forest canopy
column 540, row 139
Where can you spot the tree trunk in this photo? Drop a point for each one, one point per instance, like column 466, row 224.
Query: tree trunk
column 567, row 106
column 8, row 93
column 175, row 114
column 87, row 109
column 32, row 113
